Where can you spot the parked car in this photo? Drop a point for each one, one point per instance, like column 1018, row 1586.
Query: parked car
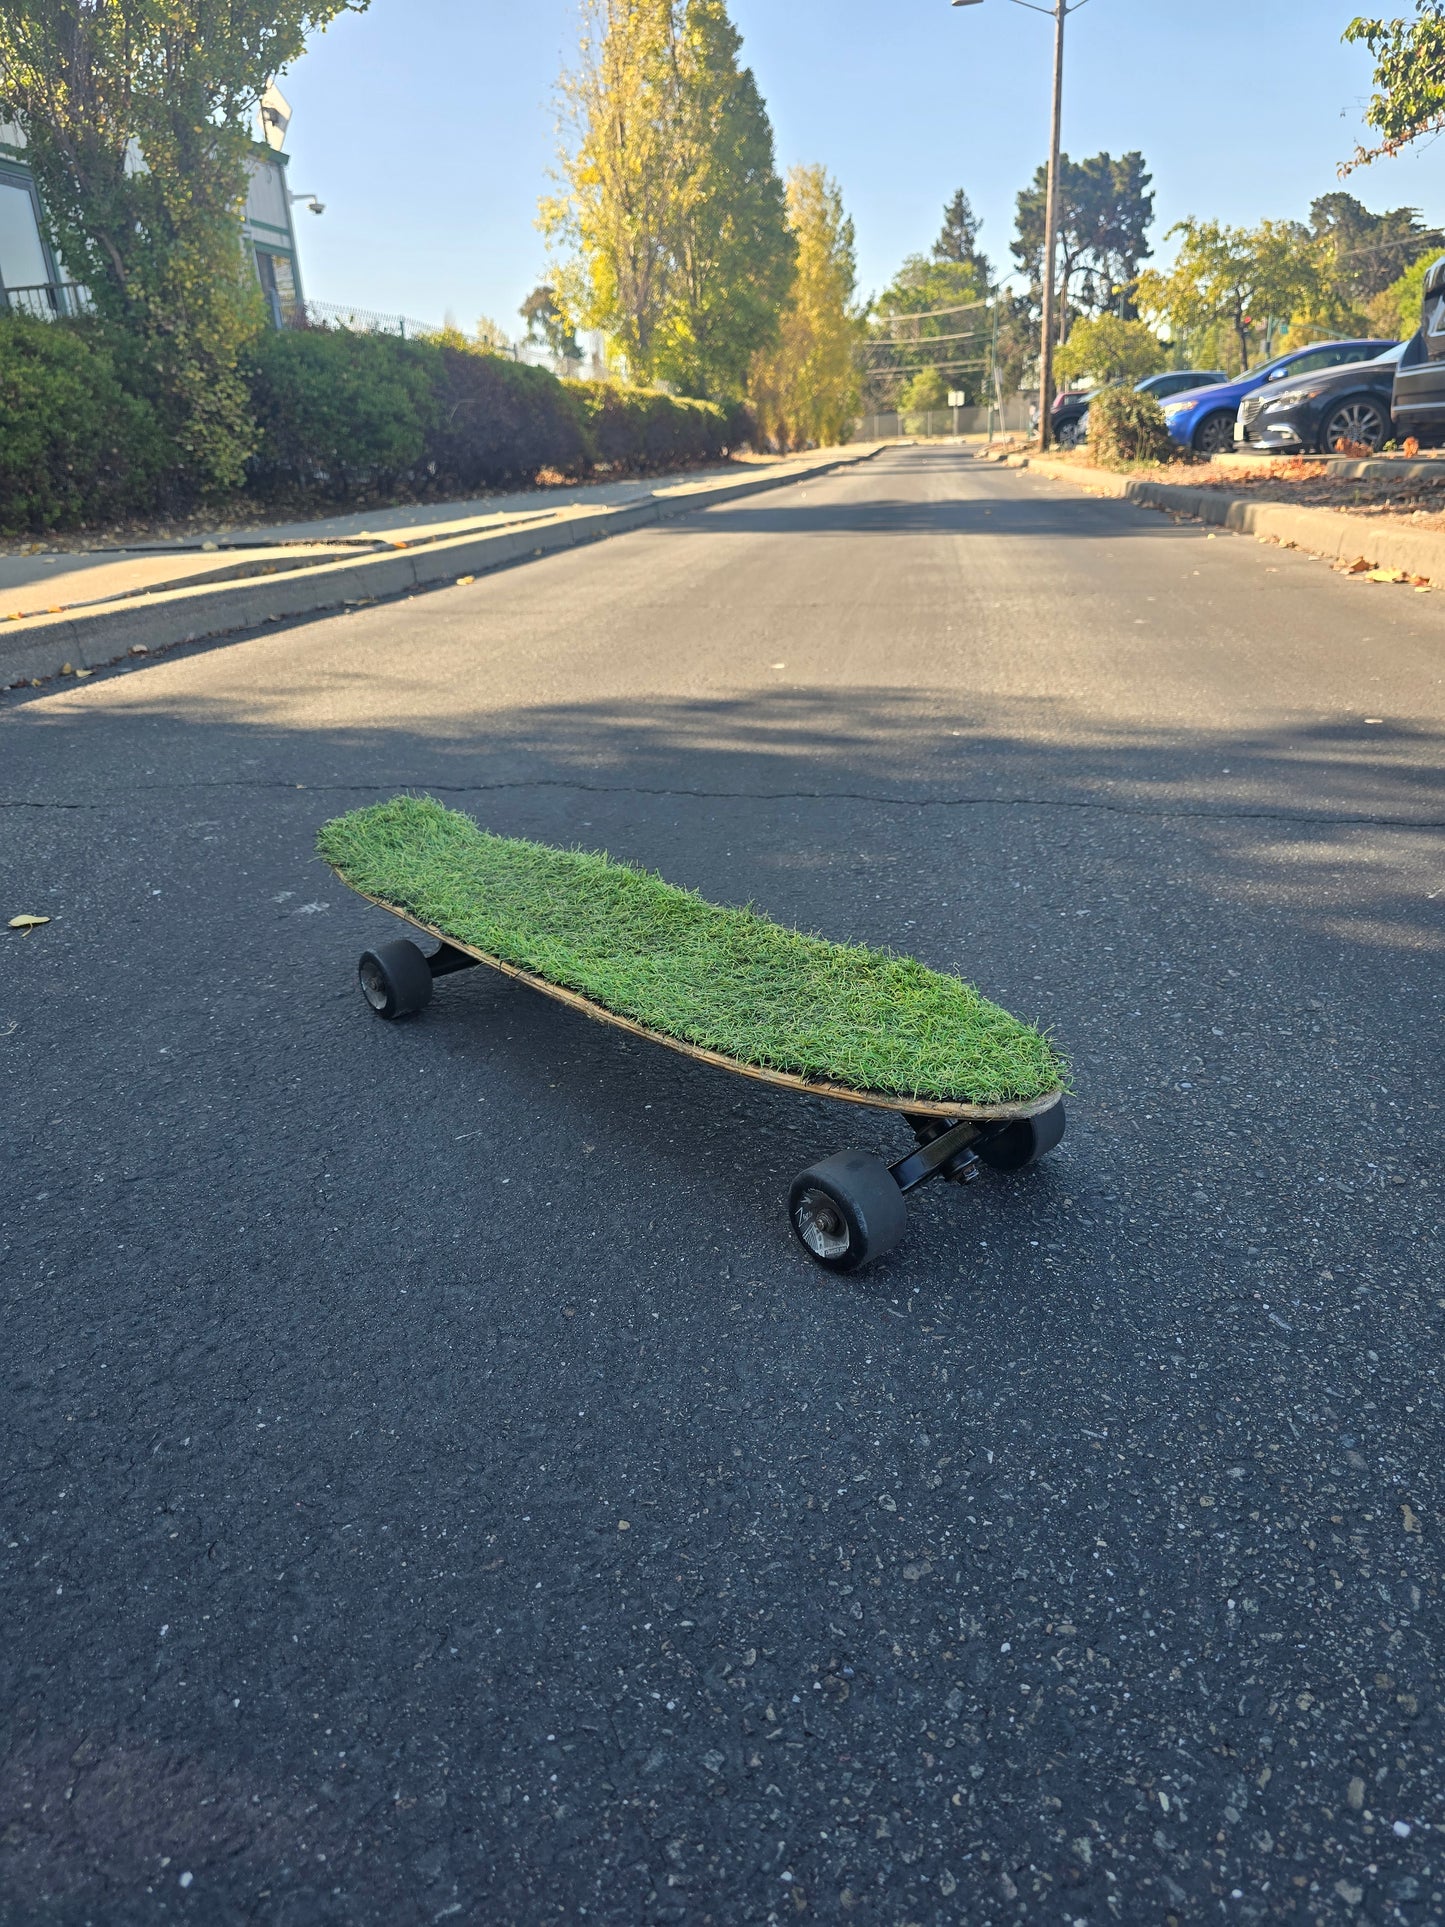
column 1350, row 404
column 1419, row 400
column 1204, row 418
column 1071, row 409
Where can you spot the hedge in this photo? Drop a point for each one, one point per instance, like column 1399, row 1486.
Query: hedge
column 339, row 417
column 75, row 446
column 338, row 413
column 343, row 414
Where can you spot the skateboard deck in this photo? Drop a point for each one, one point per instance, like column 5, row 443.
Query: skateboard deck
column 783, row 1080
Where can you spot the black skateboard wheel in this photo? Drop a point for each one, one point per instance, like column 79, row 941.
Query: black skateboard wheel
column 1025, row 1141
column 395, row 979
column 847, row 1210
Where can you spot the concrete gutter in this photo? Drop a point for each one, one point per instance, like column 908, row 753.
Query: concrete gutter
column 40, row 646
column 1333, row 533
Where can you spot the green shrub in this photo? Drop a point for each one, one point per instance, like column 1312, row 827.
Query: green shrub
column 74, row 446
column 340, row 414
column 500, row 422
column 636, row 428
column 1128, row 427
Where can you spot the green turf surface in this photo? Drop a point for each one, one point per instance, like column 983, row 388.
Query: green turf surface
column 729, row 980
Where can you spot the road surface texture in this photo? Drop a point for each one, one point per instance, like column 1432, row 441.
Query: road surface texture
column 434, row 1484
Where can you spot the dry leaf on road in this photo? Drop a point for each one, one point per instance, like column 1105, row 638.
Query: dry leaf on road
column 27, row 922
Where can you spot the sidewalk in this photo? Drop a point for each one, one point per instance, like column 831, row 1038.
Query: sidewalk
column 65, row 613
column 1389, row 546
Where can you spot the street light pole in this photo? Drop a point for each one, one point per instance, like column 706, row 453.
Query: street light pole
column 1059, row 11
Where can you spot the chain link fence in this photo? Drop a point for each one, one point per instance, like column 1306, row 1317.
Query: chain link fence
column 1015, row 418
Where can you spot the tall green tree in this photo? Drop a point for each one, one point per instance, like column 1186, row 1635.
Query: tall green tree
column 735, row 252
column 138, row 117
column 1370, row 251
column 672, row 206
column 806, row 390
column 1409, row 97
column 1105, row 212
column 958, row 238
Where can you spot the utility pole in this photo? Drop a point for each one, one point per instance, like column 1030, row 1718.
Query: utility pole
column 1059, row 12
column 1051, row 235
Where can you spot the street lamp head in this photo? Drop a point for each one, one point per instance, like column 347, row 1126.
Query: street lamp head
column 968, row 3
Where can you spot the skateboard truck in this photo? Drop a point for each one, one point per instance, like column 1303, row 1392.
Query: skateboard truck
column 944, row 1151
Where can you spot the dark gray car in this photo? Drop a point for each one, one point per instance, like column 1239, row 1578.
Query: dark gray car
column 1419, row 399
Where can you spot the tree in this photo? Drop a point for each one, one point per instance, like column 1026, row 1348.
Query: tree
column 550, row 323
column 734, row 251
column 806, row 390
column 672, row 206
column 617, row 214
column 1240, row 281
column 927, row 391
column 1370, row 250
column 958, row 240
column 1399, row 309
column 1105, row 212
column 934, row 313
column 138, row 116
column 1111, row 350
column 1409, row 100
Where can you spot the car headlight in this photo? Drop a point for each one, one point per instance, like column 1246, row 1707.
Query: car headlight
column 1173, row 408
column 1290, row 398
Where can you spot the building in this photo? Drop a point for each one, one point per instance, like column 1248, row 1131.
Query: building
column 32, row 279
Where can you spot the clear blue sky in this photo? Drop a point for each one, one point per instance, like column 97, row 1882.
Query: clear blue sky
column 427, row 126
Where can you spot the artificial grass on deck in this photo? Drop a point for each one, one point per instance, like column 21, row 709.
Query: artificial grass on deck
column 728, row 980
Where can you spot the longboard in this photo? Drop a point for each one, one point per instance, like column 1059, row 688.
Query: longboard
column 847, row 1210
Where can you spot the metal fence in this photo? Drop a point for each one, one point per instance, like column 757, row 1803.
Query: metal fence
column 1013, row 418
column 361, row 321
column 48, row 300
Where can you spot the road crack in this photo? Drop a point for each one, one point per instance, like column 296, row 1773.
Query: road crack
column 879, row 799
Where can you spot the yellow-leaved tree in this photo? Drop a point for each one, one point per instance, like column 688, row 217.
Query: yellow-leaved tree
column 806, row 390
column 671, row 220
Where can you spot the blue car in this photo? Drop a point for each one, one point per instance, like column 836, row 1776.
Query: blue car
column 1203, row 418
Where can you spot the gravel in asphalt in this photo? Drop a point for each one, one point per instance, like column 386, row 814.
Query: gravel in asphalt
column 435, row 1486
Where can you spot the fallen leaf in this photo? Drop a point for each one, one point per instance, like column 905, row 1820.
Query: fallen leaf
column 67, row 669
column 27, row 922
column 1412, row 1518
column 1359, row 566
column 463, row 580
column 624, row 1525
column 1388, row 575
column 81, row 674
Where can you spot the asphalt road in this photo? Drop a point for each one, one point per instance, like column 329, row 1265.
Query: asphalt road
column 435, row 1487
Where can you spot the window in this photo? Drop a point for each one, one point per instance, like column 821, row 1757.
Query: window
column 23, row 263
column 278, row 285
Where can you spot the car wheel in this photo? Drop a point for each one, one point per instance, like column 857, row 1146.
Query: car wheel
column 1214, row 435
column 1357, row 420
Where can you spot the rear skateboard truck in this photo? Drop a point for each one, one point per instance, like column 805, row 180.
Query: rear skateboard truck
column 849, row 1209
column 845, row 1211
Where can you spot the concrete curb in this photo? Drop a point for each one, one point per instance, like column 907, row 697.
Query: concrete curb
column 1327, row 532
column 40, row 646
